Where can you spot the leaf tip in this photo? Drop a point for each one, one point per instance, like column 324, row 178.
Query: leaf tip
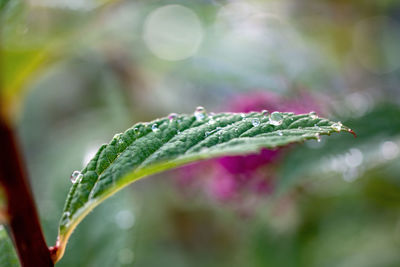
column 352, row 132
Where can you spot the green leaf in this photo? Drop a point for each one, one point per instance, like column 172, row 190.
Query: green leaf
column 166, row 143
column 8, row 257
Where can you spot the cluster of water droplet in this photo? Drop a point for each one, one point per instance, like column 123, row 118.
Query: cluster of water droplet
column 337, row 126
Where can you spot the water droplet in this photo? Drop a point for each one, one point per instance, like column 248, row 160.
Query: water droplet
column 76, row 176
column 213, row 131
column 65, row 217
column 172, row 116
column 337, row 126
column 117, row 136
column 154, row 128
column 136, row 130
column 275, row 118
column 243, row 115
column 265, row 112
column 200, row 113
column 178, row 132
column 313, row 115
column 318, row 137
column 255, row 122
column 280, row 133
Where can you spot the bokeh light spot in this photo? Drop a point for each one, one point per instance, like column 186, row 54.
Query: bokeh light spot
column 173, row 32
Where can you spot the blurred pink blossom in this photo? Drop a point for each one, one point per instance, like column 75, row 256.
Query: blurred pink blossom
column 230, row 178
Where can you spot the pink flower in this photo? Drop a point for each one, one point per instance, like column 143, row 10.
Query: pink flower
column 230, row 178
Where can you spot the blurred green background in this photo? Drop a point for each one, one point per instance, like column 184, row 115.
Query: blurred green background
column 75, row 72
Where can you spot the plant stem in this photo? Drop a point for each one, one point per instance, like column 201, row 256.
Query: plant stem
column 22, row 215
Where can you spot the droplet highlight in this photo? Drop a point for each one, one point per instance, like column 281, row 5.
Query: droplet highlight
column 313, row 115
column 276, row 118
column 200, row 113
column 213, row 131
column 337, row 126
column 154, row 128
column 255, row 122
column 172, row 116
column 76, row 176
column 318, row 137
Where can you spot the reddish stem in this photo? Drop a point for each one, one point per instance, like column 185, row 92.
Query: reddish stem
column 22, row 215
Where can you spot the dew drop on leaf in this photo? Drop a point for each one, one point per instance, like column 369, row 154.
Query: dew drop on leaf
column 337, row 126
column 76, row 176
column 255, row 122
column 172, row 116
column 276, row 118
column 117, row 136
column 265, row 112
column 200, row 113
column 313, row 115
column 154, row 128
column 318, row 137
column 213, row 131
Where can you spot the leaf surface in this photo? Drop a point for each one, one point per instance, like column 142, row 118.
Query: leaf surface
column 148, row 148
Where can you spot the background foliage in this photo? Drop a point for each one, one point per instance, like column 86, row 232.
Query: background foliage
column 76, row 72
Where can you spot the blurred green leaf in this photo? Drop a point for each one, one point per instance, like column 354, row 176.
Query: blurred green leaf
column 8, row 257
column 374, row 129
column 148, row 148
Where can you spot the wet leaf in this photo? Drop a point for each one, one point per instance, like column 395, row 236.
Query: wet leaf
column 166, row 143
